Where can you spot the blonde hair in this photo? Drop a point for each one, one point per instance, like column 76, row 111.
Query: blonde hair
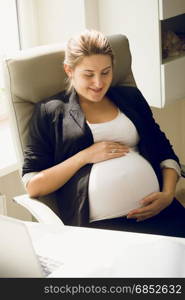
column 89, row 42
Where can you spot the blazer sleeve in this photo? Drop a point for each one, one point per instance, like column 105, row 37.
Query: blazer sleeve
column 162, row 144
column 38, row 153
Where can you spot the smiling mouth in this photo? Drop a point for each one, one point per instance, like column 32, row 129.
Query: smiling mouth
column 96, row 90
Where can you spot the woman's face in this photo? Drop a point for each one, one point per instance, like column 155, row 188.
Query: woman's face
column 92, row 77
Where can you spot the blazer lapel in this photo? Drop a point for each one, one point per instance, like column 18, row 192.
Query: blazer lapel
column 75, row 110
column 76, row 133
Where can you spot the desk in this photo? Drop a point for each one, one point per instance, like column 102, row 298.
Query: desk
column 88, row 252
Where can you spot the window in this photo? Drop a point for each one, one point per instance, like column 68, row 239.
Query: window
column 9, row 43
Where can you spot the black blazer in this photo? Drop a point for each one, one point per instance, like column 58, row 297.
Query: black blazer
column 58, row 130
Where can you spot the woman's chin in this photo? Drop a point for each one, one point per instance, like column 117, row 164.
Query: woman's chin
column 96, row 97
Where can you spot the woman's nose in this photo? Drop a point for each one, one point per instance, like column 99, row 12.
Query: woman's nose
column 98, row 82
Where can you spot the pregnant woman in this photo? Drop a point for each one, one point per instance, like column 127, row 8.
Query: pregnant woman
column 99, row 148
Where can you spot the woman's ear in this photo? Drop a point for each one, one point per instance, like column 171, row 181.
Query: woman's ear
column 68, row 70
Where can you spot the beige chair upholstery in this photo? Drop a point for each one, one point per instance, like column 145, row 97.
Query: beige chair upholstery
column 37, row 73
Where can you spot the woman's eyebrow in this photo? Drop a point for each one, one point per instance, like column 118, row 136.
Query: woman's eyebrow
column 108, row 67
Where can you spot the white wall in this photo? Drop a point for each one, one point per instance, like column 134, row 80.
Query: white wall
column 55, row 21
column 28, row 25
column 91, row 8
column 59, row 19
column 8, row 27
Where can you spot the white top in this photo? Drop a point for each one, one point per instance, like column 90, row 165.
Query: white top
column 116, row 185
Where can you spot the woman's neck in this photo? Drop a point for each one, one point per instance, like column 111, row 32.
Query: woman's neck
column 87, row 104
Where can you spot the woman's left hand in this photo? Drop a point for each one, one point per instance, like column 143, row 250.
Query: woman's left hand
column 152, row 205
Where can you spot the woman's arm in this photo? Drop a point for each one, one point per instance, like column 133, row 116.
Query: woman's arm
column 170, row 179
column 51, row 179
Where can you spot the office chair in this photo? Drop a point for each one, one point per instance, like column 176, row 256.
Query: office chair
column 36, row 74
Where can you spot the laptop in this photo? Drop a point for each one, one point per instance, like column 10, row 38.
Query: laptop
column 17, row 254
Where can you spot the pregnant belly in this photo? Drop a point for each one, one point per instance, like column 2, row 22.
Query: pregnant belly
column 117, row 185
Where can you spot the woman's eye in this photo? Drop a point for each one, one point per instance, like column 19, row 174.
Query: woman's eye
column 105, row 73
column 89, row 75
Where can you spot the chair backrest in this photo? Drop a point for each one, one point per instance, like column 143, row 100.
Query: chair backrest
column 37, row 73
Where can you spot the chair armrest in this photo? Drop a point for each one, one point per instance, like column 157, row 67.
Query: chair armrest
column 39, row 210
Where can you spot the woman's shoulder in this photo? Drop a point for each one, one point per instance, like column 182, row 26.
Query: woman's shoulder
column 125, row 90
column 54, row 104
column 132, row 96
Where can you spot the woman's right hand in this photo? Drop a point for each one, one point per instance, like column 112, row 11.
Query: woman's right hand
column 105, row 150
